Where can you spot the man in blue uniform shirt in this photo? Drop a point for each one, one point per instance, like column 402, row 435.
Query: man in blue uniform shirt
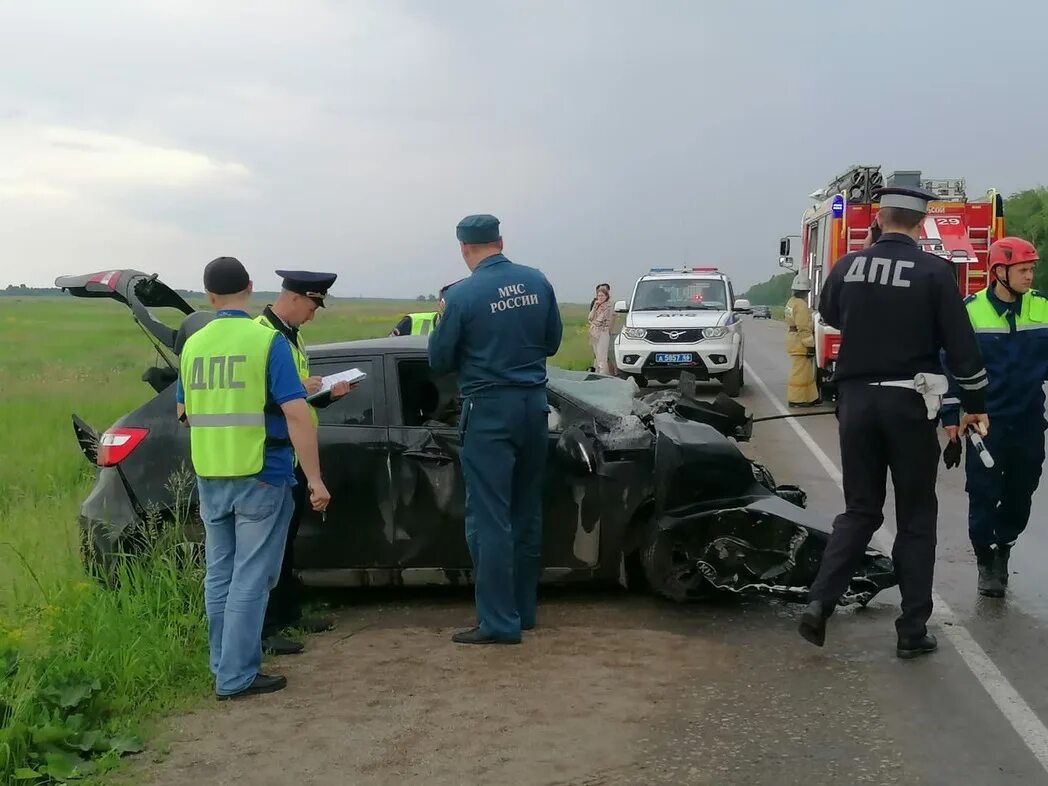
column 499, row 326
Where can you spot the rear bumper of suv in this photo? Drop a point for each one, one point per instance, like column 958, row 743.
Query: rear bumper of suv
column 106, row 514
column 710, row 357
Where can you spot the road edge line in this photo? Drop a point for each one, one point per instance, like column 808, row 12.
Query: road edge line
column 1012, row 705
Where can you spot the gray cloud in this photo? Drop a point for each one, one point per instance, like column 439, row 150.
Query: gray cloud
column 609, row 137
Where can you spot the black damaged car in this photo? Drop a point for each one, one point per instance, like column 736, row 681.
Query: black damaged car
column 646, row 491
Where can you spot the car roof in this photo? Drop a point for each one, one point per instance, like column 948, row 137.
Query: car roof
column 705, row 276
column 384, row 345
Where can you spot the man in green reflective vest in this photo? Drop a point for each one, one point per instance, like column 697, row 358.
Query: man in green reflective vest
column 419, row 323
column 422, row 323
column 302, row 293
column 244, row 403
column 1011, row 323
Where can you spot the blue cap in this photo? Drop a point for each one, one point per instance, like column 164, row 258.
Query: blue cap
column 313, row 285
column 477, row 230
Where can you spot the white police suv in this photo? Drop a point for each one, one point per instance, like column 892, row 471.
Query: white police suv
column 682, row 319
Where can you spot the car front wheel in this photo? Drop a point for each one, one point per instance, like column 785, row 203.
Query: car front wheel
column 668, row 570
column 732, row 381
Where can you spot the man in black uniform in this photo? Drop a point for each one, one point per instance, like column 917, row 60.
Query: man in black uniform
column 897, row 308
column 302, row 293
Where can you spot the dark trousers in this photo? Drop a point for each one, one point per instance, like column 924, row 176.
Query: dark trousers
column 285, row 603
column 504, row 444
column 884, row 429
column 999, row 498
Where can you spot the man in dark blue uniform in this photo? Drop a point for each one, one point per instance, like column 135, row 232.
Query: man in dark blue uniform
column 897, row 308
column 302, row 293
column 499, row 326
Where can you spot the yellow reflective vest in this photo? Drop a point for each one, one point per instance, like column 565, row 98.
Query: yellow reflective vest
column 223, row 369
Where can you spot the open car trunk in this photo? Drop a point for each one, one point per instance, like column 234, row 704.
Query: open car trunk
column 140, row 292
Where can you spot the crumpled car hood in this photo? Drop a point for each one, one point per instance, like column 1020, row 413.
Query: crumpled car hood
column 735, row 532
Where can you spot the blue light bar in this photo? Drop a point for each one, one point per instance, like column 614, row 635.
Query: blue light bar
column 661, row 270
column 837, row 207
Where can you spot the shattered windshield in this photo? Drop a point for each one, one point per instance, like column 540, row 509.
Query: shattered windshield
column 681, row 294
column 609, row 395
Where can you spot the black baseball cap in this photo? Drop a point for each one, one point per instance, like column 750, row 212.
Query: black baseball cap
column 225, row 276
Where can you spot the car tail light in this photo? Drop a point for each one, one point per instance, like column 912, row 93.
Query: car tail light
column 117, row 444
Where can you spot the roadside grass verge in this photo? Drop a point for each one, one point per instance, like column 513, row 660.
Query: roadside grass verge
column 83, row 671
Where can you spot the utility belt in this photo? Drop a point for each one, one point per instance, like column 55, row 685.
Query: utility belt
column 931, row 387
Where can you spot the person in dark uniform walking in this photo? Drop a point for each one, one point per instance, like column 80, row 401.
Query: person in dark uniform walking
column 897, row 308
column 302, row 293
column 499, row 326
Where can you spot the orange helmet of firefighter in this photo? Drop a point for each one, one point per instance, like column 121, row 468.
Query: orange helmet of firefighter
column 1011, row 253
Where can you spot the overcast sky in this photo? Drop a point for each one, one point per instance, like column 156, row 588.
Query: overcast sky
column 608, row 136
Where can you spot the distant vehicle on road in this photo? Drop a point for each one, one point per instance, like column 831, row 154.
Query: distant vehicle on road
column 761, row 312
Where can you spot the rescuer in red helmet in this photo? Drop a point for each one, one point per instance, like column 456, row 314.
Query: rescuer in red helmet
column 1011, row 323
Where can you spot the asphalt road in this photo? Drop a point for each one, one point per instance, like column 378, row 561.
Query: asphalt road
column 620, row 688
column 975, row 712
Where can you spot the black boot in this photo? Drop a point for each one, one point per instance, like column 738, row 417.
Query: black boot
column 1000, row 563
column 813, row 622
column 909, row 647
column 990, row 583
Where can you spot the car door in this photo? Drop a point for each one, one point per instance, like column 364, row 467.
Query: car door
column 574, row 502
column 428, row 494
column 353, row 440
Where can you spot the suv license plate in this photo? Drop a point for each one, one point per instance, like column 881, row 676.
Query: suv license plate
column 683, row 357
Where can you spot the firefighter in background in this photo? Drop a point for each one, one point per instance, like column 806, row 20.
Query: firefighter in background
column 801, row 390
column 1011, row 323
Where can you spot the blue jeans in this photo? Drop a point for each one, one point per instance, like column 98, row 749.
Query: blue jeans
column 246, row 523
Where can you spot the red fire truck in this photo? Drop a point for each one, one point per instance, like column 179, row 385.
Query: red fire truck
column 956, row 228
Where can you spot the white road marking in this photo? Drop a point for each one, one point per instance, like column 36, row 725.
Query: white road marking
column 1023, row 719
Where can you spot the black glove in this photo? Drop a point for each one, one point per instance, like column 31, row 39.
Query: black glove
column 951, row 457
column 811, row 352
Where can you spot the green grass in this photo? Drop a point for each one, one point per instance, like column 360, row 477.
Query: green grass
column 81, row 665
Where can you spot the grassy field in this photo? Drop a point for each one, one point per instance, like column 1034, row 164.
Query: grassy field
column 80, row 666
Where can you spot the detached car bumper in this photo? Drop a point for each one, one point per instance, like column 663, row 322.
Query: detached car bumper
column 707, row 358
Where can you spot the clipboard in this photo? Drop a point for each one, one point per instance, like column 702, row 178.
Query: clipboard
column 353, row 376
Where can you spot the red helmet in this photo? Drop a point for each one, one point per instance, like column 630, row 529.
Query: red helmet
column 1010, row 251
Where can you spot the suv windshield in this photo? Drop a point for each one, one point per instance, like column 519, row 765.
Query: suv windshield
column 681, row 294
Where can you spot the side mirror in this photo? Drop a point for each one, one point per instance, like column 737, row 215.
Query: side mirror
column 743, row 306
column 787, row 263
column 784, row 247
column 573, row 455
column 622, row 307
